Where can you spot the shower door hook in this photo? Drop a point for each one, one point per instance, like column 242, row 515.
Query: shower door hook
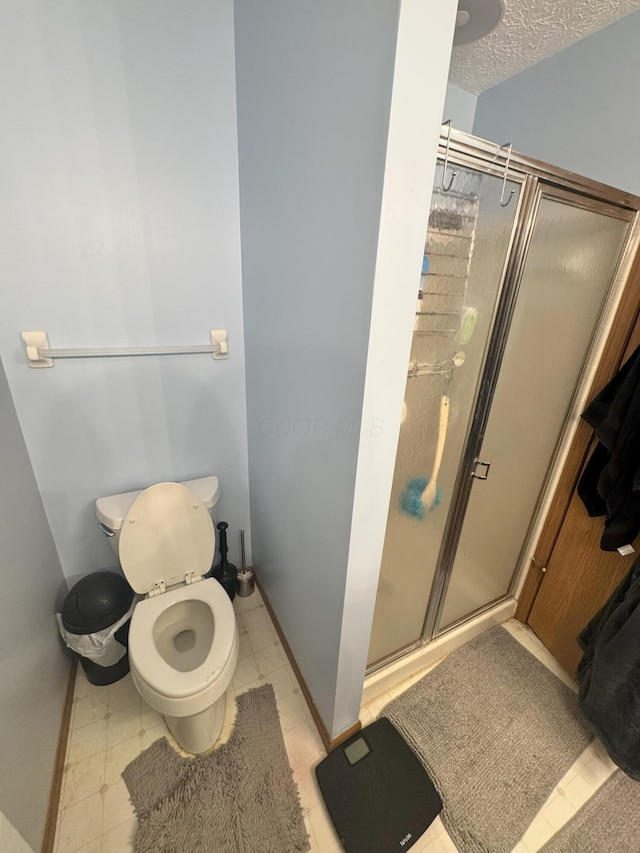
column 504, row 203
column 445, row 189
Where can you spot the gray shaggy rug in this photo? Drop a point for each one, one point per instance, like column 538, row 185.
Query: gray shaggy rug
column 496, row 731
column 239, row 798
column 607, row 823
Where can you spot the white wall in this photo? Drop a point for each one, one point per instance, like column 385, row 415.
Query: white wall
column 119, row 225
column 35, row 670
column 460, row 107
column 577, row 109
column 422, row 65
column 314, row 98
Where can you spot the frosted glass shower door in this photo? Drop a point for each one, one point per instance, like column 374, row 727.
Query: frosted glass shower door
column 467, row 243
column 572, row 258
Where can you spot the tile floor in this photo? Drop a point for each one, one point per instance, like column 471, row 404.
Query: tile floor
column 111, row 725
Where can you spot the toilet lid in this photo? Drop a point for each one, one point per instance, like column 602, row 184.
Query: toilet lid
column 166, row 533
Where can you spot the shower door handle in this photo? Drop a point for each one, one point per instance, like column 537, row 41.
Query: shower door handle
column 486, row 466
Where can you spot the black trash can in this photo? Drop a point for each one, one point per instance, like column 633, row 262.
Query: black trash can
column 93, row 604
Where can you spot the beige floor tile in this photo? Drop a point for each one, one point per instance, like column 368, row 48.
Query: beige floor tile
column 596, row 772
column 425, row 845
column 123, row 725
column 313, row 842
column 118, row 808
column 263, row 637
column 601, row 755
column 80, row 826
column 303, row 745
column 283, row 681
column 293, row 711
column 84, row 687
column 557, row 811
column 244, row 646
column 254, row 619
column 444, row 844
column 234, row 692
column 87, row 741
column 305, row 779
column 152, row 735
column 366, row 715
column 121, row 839
column 88, row 709
column 376, row 705
column 119, row 756
column 82, row 779
column 323, row 831
column 434, row 830
column 578, row 791
column 538, row 833
column 249, row 602
column 225, row 734
column 149, row 718
column 270, row 659
column 586, row 757
column 230, row 710
column 246, row 672
column 123, row 694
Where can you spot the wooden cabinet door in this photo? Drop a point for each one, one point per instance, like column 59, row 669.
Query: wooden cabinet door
column 578, row 581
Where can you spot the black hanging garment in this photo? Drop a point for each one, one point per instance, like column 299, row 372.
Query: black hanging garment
column 609, row 674
column 610, row 483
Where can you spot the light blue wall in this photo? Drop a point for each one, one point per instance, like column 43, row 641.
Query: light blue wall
column 460, row 107
column 34, row 668
column 119, row 225
column 314, row 87
column 578, row 109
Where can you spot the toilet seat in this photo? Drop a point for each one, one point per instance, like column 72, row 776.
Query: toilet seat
column 149, row 663
column 167, row 537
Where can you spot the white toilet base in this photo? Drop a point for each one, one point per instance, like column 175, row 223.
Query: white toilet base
column 198, row 732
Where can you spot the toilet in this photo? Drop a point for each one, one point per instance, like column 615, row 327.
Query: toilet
column 183, row 637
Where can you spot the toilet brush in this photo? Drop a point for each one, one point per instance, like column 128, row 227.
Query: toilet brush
column 246, row 581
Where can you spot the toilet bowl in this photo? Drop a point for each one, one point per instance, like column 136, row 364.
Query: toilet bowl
column 183, row 637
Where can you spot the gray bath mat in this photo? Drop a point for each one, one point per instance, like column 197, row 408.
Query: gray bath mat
column 496, row 731
column 239, row 798
column 608, row 823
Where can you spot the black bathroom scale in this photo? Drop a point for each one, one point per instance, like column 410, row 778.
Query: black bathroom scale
column 378, row 795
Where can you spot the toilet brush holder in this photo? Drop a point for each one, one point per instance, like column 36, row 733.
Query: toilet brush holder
column 245, row 581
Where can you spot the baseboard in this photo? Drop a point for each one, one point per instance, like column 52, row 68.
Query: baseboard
column 352, row 730
column 329, row 742
column 58, row 768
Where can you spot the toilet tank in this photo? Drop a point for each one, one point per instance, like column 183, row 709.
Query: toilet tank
column 111, row 511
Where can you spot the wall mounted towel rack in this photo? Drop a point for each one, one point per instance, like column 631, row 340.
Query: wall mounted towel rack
column 40, row 354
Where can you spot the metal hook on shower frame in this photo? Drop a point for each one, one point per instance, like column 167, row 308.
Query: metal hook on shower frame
column 508, row 146
column 446, row 161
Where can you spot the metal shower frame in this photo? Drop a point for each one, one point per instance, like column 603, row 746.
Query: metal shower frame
column 537, row 180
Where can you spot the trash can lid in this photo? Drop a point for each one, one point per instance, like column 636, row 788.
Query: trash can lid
column 96, row 602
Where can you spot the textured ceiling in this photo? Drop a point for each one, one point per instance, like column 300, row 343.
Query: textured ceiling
column 531, row 30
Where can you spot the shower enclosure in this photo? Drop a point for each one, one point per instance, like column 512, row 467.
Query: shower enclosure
column 522, row 266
